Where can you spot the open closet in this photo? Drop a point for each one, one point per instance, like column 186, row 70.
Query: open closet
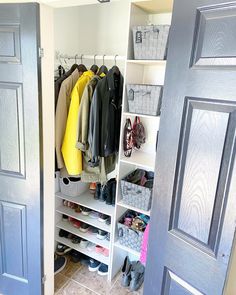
column 102, row 36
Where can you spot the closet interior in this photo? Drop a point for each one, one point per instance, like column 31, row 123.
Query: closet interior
column 101, row 36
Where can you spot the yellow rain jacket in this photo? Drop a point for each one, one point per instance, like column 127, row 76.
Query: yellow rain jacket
column 72, row 156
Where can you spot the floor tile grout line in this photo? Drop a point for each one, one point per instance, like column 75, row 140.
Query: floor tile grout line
column 85, row 287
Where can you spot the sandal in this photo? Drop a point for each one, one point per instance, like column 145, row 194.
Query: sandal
column 127, row 138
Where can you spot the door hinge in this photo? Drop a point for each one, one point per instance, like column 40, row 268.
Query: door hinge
column 41, row 52
column 44, row 279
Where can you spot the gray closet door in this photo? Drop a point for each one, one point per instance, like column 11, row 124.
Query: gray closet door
column 20, row 180
column 194, row 210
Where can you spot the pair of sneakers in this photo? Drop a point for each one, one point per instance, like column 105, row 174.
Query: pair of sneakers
column 101, row 268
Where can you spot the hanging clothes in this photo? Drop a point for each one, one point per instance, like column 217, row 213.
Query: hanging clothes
column 62, row 108
column 105, row 117
column 98, row 173
column 71, row 155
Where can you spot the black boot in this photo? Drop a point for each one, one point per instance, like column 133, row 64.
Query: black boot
column 113, row 192
column 104, row 193
column 98, row 191
column 126, row 272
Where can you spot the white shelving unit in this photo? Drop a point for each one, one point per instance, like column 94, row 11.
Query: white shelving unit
column 139, row 72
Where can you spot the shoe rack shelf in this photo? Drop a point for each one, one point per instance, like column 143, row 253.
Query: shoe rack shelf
column 91, row 254
column 87, row 219
column 66, row 225
column 87, row 200
column 124, row 248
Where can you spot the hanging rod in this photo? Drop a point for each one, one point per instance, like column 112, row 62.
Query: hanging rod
column 94, row 57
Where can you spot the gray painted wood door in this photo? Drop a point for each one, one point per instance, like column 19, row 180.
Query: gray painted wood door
column 20, row 180
column 194, row 211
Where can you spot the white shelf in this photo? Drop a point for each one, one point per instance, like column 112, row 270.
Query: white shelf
column 87, row 200
column 87, row 219
column 140, row 159
column 87, row 236
column 91, row 254
column 156, row 118
column 127, row 249
column 121, row 204
column 146, row 62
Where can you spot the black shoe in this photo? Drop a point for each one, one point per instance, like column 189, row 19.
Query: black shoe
column 75, row 256
column 104, row 193
column 113, row 192
column 98, row 191
column 59, row 264
column 62, row 249
column 103, row 217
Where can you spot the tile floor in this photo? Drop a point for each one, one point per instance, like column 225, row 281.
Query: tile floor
column 75, row 279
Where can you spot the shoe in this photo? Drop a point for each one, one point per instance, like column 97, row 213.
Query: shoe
column 94, row 214
column 101, row 235
column 75, row 256
column 110, row 191
column 91, row 246
column 105, row 252
column 92, row 187
column 113, row 192
column 59, row 264
column 126, row 272
column 78, row 209
column 98, row 191
column 76, row 223
column 108, row 237
column 103, row 269
column 103, row 217
column 93, row 265
column 108, row 221
column 64, row 217
column 93, row 230
column 62, row 249
column 84, row 227
column 137, row 276
column 83, row 243
column 76, row 240
column 85, row 211
column 99, row 249
column 64, row 234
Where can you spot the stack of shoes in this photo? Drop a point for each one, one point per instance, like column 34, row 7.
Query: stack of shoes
column 132, row 274
column 101, row 268
column 107, row 192
column 62, row 249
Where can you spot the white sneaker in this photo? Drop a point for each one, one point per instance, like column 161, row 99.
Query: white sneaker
column 91, row 246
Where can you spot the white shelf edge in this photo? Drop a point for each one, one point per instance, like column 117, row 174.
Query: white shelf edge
column 147, row 62
column 86, row 199
column 86, row 219
column 91, row 254
column 118, row 245
column 89, row 237
column 156, row 118
column 132, row 161
column 121, row 204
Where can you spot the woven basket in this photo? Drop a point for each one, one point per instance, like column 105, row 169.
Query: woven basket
column 150, row 42
column 144, row 99
column 129, row 237
column 136, row 195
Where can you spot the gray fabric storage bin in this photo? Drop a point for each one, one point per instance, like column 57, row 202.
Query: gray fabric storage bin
column 144, row 99
column 129, row 237
column 72, row 188
column 150, row 42
column 136, row 196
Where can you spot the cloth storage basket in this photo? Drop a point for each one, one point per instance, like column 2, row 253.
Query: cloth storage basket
column 150, row 42
column 144, row 99
column 136, row 195
column 72, row 187
column 129, row 237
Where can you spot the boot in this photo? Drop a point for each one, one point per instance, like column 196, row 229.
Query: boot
column 98, row 191
column 137, row 276
column 109, row 191
column 104, row 193
column 113, row 192
column 126, row 272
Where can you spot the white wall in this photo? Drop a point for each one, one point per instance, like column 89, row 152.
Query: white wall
column 92, row 29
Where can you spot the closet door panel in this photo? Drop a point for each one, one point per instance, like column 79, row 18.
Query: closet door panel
column 20, row 150
column 194, row 209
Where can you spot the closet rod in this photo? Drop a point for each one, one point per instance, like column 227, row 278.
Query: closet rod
column 97, row 57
